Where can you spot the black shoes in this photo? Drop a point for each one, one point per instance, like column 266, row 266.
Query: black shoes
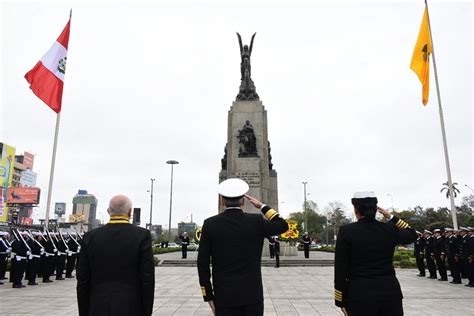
column 32, row 283
column 469, row 285
column 48, row 281
column 455, row 282
column 442, row 279
column 421, row 275
column 432, row 277
column 69, row 277
column 60, row 279
column 18, row 286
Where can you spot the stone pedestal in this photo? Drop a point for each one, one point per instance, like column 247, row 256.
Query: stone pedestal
column 287, row 250
column 239, row 162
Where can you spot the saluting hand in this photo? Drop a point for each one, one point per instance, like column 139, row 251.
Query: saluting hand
column 384, row 212
column 344, row 311
column 254, row 201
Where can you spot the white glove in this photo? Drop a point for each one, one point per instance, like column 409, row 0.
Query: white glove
column 28, row 253
column 55, row 250
column 42, row 251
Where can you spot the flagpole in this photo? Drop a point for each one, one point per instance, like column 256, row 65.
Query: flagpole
column 443, row 130
column 51, row 174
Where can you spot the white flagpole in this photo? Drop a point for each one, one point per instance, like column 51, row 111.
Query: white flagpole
column 51, row 174
column 443, row 131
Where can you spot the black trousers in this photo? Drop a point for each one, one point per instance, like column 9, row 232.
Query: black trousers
column 184, row 251
column 3, row 265
column 48, row 267
column 272, row 251
column 245, row 310
column 32, row 269
column 420, row 263
column 70, row 264
column 470, row 272
column 277, row 259
column 18, row 268
column 371, row 308
column 60, row 262
column 454, row 268
column 431, row 266
column 441, row 265
column 464, row 263
column 306, row 251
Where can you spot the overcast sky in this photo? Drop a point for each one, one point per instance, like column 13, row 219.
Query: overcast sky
column 150, row 82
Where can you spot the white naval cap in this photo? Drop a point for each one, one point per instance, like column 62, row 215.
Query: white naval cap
column 448, row 229
column 3, row 233
column 233, row 188
column 364, row 195
column 437, row 230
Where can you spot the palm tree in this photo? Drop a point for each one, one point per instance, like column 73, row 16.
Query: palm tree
column 455, row 190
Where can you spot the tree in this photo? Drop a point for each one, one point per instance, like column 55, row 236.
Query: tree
column 455, row 190
column 336, row 218
column 315, row 221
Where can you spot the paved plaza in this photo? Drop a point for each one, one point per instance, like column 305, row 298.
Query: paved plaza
column 288, row 291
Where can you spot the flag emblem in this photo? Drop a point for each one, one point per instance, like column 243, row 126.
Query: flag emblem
column 62, row 65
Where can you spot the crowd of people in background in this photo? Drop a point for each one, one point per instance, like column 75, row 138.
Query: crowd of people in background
column 448, row 246
column 39, row 255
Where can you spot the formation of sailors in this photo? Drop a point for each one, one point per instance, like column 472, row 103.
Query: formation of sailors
column 35, row 254
column 446, row 249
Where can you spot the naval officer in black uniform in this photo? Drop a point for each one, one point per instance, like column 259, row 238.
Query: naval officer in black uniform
column 116, row 272
column 365, row 281
column 233, row 240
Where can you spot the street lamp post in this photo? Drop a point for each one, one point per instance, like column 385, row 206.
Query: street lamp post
column 305, row 212
column 172, row 163
column 151, row 203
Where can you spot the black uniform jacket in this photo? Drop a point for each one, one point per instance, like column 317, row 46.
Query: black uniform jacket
column 116, row 273
column 419, row 247
column 439, row 247
column 364, row 260
column 234, row 241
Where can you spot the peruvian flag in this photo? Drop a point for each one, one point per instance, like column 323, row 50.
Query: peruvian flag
column 46, row 79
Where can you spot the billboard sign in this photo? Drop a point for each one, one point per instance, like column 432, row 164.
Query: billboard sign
column 28, row 178
column 23, row 195
column 7, row 160
column 60, row 208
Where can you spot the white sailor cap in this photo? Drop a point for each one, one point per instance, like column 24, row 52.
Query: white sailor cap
column 463, row 229
column 448, row 229
column 418, row 232
column 437, row 230
column 233, row 188
column 427, row 232
column 471, row 229
column 3, row 233
column 24, row 233
column 37, row 234
column 364, row 195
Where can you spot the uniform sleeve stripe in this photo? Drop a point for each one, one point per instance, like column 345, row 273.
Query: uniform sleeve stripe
column 270, row 214
column 274, row 215
column 203, row 290
column 337, row 291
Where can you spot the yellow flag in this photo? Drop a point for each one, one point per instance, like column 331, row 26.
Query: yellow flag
column 420, row 61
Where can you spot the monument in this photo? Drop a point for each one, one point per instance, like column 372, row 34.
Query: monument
column 247, row 154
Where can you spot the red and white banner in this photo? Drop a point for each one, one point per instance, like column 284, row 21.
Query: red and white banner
column 47, row 76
